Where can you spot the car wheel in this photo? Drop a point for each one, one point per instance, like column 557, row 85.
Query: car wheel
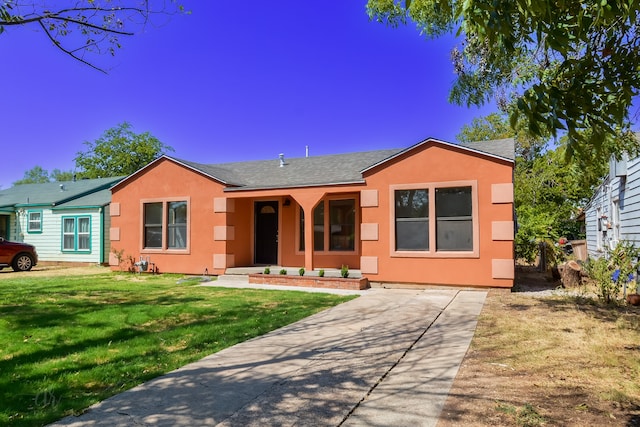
column 22, row 262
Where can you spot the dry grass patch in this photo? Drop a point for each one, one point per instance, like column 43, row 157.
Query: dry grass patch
column 556, row 360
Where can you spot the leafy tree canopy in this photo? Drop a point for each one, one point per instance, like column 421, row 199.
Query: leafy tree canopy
column 569, row 67
column 118, row 152
column 496, row 126
column 549, row 187
column 84, row 28
column 35, row 175
column 39, row 175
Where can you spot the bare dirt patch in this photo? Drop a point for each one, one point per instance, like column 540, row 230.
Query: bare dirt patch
column 549, row 357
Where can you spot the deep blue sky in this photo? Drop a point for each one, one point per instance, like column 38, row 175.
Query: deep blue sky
column 232, row 81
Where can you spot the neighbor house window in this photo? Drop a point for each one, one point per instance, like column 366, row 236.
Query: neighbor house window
column 341, row 222
column 34, row 222
column 76, row 234
column 435, row 218
column 165, row 224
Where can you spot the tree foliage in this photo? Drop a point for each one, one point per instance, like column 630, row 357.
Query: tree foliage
column 570, row 67
column 84, row 28
column 35, row 175
column 550, row 187
column 496, row 126
column 118, row 152
column 39, row 175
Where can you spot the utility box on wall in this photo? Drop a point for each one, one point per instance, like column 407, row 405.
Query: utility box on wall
column 618, row 167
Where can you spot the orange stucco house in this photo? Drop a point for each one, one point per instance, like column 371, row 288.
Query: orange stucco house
column 433, row 213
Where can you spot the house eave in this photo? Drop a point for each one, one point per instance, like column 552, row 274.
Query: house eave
column 173, row 160
column 436, row 141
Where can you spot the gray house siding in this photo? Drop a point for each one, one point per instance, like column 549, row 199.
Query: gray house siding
column 613, row 213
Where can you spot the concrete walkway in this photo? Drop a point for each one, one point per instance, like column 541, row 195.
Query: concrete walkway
column 386, row 358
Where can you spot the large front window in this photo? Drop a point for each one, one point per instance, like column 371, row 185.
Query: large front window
column 165, row 224
column 76, row 234
column 435, row 219
column 335, row 231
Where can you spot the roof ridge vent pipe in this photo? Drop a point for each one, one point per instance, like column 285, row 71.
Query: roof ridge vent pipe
column 281, row 156
column 306, row 151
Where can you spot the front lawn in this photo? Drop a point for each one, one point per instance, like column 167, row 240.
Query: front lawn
column 67, row 342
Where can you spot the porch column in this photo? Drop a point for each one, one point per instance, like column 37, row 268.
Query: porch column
column 308, row 238
column 308, row 199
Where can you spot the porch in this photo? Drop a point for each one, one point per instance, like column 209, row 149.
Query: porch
column 331, row 278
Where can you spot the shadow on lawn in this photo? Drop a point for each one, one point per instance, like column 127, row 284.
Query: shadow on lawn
column 71, row 380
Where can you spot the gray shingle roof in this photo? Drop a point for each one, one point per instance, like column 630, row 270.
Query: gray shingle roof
column 298, row 172
column 497, row 147
column 56, row 193
column 322, row 170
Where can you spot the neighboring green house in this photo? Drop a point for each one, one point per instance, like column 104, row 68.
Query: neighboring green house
column 66, row 221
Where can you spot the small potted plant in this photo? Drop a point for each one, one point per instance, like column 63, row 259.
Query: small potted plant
column 301, row 271
column 344, row 271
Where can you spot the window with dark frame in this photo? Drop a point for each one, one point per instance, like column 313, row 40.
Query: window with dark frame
column 153, row 225
column 165, row 225
column 454, row 219
column 412, row 220
column 342, row 216
column 318, row 227
column 177, row 225
column 453, row 227
column 341, row 223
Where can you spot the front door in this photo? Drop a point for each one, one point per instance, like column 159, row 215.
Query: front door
column 266, row 243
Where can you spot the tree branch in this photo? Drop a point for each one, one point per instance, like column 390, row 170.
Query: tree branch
column 59, row 46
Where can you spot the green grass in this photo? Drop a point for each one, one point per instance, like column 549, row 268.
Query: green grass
column 69, row 342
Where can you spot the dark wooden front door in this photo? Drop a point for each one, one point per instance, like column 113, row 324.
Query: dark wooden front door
column 266, row 243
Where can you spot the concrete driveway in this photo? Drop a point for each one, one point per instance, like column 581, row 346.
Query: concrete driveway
column 387, row 358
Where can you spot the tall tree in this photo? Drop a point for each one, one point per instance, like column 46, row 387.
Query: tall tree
column 496, row 126
column 84, row 28
column 60, row 175
column 549, row 187
column 569, row 66
column 118, row 152
column 35, row 175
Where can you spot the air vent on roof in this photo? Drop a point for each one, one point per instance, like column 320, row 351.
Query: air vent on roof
column 281, row 160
